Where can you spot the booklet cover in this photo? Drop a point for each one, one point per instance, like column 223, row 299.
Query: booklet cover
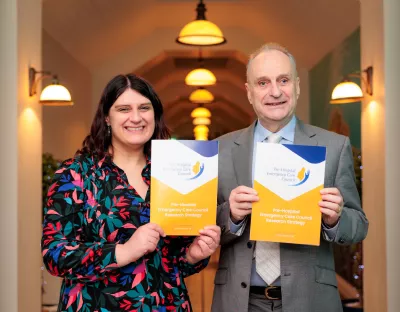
column 184, row 185
column 288, row 179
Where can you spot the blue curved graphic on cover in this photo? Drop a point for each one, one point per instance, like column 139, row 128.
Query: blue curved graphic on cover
column 306, row 176
column 312, row 154
column 199, row 174
column 204, row 148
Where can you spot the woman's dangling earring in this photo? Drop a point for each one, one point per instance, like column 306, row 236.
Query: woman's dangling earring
column 109, row 130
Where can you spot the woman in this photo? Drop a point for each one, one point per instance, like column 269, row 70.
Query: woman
column 96, row 232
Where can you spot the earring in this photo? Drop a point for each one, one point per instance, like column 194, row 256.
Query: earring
column 109, row 130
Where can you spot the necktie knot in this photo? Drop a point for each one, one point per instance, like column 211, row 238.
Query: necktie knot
column 274, row 138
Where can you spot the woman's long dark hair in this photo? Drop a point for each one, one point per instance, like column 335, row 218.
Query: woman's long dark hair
column 98, row 141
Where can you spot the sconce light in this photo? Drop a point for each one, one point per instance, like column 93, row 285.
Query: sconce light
column 350, row 92
column 54, row 94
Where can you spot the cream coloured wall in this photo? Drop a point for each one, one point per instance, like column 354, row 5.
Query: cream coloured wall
column 380, row 47
column 21, row 141
column 64, row 128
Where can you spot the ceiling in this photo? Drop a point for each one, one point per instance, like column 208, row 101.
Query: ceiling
column 95, row 32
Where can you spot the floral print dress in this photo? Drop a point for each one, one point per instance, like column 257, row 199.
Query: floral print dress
column 90, row 208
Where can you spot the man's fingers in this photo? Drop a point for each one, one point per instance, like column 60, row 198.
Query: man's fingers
column 243, row 206
column 328, row 212
column 332, row 198
column 329, row 205
column 244, row 189
column 330, row 190
column 241, row 197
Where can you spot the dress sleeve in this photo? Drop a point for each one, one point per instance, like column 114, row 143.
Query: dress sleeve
column 181, row 245
column 65, row 251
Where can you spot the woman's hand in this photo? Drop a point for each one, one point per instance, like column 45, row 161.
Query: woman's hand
column 143, row 241
column 204, row 245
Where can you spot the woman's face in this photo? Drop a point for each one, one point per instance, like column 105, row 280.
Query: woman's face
column 132, row 121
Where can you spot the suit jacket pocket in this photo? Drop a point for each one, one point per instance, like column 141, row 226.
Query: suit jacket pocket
column 221, row 277
column 325, row 276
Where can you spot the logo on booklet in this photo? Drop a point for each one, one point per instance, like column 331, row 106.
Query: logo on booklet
column 302, row 177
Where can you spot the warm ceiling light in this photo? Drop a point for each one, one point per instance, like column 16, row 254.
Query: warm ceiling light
column 201, row 121
column 200, row 77
column 201, row 132
column 200, row 112
column 200, row 137
column 201, row 32
column 201, row 129
column 201, row 96
column 52, row 95
column 350, row 92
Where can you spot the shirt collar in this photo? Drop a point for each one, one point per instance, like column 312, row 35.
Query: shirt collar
column 287, row 132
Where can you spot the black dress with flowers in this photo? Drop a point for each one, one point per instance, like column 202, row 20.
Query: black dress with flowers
column 90, row 208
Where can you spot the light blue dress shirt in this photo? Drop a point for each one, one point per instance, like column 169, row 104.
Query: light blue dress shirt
column 260, row 134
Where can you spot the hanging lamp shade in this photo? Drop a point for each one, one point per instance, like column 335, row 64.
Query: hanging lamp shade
column 201, row 121
column 56, row 95
column 201, row 132
column 201, row 96
column 201, row 32
column 346, row 92
column 200, row 112
column 200, row 77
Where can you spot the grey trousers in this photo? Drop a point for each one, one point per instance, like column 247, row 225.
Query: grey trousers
column 258, row 303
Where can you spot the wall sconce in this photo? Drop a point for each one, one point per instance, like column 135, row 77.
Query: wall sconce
column 52, row 95
column 350, row 92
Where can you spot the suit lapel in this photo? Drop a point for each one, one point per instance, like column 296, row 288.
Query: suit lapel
column 304, row 135
column 242, row 156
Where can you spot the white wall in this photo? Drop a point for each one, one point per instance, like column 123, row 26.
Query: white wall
column 21, row 141
column 380, row 48
column 391, row 11
column 64, row 128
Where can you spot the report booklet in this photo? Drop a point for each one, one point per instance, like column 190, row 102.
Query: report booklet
column 184, row 185
column 288, row 179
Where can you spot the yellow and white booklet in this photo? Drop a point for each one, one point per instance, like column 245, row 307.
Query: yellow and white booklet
column 184, row 185
column 288, row 179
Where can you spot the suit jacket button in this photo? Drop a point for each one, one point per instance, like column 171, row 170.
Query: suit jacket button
column 243, row 284
column 249, row 245
column 223, row 228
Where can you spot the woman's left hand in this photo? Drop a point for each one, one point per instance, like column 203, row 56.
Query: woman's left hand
column 204, row 245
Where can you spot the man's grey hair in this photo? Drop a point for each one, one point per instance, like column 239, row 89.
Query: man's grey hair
column 269, row 47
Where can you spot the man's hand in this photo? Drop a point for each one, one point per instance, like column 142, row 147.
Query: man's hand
column 331, row 205
column 240, row 201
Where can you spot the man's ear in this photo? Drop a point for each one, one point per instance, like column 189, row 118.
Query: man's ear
column 248, row 92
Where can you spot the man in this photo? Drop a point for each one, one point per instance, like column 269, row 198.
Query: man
column 261, row 276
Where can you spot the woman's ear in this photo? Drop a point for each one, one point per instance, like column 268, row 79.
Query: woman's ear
column 108, row 121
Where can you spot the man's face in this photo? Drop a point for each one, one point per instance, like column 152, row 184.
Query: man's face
column 273, row 89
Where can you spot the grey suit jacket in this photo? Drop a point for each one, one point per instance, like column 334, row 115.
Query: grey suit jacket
column 307, row 272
